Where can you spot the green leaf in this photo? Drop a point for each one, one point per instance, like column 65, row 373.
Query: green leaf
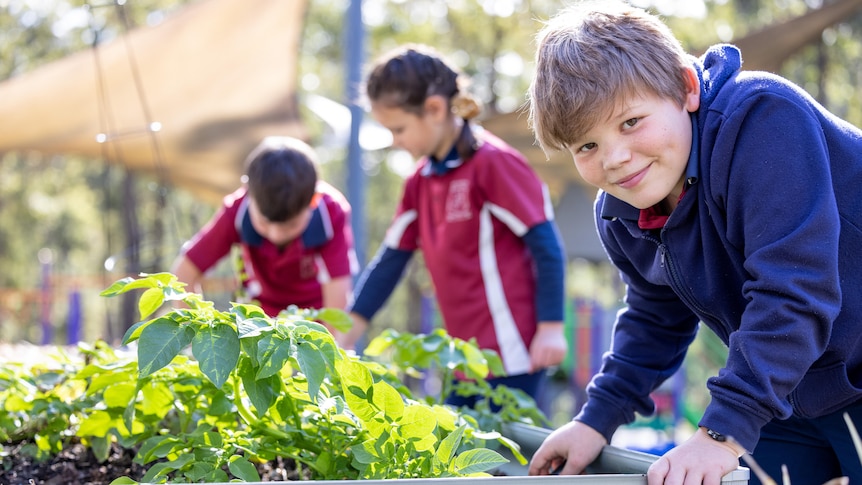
column 101, row 446
column 451, row 356
column 417, row 425
column 312, row 364
column 380, row 343
column 216, row 347
column 388, row 400
column 477, row 367
column 133, row 332
column 476, row 461
column 98, row 423
column 273, row 353
column 157, row 398
column 365, row 452
column 252, row 327
column 447, row 448
column 199, row 471
column 337, row 318
column 495, row 363
column 247, row 310
column 158, row 471
column 124, row 481
column 356, row 385
column 150, row 301
column 261, row 392
column 243, row 469
column 433, row 342
column 119, row 395
column 118, row 287
column 165, row 278
column 160, row 342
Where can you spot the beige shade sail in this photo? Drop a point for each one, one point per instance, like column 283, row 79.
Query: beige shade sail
column 214, row 78
column 221, row 74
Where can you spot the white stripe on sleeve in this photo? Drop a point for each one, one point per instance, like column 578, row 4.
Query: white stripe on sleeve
column 513, row 351
column 396, row 230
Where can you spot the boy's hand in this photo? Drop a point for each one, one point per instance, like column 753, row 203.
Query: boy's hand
column 549, row 346
column 567, row 450
column 700, row 459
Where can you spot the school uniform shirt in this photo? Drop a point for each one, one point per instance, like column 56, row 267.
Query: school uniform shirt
column 470, row 219
column 763, row 248
column 278, row 277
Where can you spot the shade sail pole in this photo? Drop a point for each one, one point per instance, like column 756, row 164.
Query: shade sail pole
column 356, row 179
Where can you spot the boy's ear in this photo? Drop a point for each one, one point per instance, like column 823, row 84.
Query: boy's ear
column 435, row 106
column 692, row 89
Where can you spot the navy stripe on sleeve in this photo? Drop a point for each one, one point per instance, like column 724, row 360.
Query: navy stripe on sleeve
column 545, row 244
column 378, row 280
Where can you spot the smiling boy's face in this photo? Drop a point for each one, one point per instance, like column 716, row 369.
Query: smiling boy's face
column 639, row 153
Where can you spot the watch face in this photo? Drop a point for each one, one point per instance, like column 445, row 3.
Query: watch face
column 715, row 435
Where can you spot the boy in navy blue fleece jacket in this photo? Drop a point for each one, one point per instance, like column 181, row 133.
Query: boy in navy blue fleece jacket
column 729, row 198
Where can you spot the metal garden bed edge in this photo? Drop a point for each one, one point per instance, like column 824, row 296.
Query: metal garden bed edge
column 616, row 466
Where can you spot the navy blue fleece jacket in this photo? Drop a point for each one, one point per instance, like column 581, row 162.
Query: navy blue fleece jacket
column 765, row 248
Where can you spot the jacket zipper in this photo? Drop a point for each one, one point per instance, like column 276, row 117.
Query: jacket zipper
column 684, row 294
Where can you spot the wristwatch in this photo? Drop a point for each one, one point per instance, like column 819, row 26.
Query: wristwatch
column 715, row 435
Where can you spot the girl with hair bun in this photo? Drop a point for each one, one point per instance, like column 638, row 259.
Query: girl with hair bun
column 480, row 215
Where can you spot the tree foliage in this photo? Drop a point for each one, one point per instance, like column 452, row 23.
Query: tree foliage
column 73, row 206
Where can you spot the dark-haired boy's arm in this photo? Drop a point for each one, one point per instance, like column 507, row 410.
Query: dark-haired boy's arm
column 336, row 292
column 186, row 272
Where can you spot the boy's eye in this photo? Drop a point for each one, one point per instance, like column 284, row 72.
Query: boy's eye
column 631, row 122
column 587, row 147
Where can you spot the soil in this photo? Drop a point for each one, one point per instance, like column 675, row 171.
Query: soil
column 77, row 465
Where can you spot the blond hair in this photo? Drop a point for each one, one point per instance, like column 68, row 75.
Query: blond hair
column 591, row 58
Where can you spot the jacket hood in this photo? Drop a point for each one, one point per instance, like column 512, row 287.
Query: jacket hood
column 714, row 68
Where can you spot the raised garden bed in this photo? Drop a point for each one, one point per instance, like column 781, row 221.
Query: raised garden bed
column 615, row 466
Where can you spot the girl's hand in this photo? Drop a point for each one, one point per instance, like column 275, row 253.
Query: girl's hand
column 549, row 346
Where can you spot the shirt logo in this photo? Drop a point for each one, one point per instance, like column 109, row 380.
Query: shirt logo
column 458, row 201
column 307, row 268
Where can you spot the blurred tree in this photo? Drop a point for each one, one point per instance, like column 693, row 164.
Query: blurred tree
column 75, row 207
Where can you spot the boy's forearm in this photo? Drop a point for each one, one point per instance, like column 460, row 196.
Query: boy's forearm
column 187, row 272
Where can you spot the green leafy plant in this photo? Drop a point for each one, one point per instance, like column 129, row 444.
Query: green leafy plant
column 417, row 354
column 254, row 388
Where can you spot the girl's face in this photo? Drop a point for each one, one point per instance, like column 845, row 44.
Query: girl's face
column 639, row 154
column 419, row 135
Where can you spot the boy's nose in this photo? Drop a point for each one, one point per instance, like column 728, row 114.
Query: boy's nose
column 615, row 156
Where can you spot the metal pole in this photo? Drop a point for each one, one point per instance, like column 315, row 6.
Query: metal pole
column 356, row 180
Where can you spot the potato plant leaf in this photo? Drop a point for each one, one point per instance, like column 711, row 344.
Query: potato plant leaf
column 417, row 426
column 388, row 401
column 273, row 352
column 339, row 319
column 243, row 469
column 312, row 364
column 447, row 448
column 124, row 481
column 477, row 461
column 261, row 392
column 356, row 385
column 216, row 347
column 159, row 343
column 150, row 301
